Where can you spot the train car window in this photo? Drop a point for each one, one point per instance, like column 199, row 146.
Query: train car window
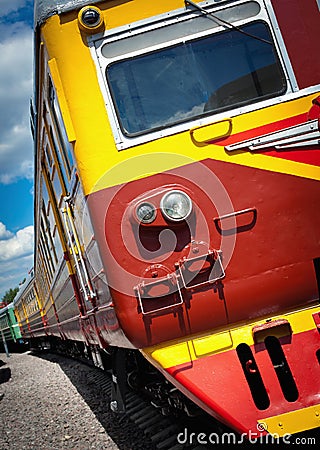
column 56, row 242
column 194, row 78
column 45, row 258
column 48, row 155
column 50, row 225
column 44, row 192
column 61, row 167
column 52, row 182
column 30, row 303
column 47, row 228
column 42, row 282
column 56, row 183
column 45, row 251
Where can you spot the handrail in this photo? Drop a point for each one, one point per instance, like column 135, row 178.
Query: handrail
column 77, row 253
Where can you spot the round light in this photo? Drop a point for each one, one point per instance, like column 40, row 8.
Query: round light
column 90, row 18
column 146, row 212
column 176, row 205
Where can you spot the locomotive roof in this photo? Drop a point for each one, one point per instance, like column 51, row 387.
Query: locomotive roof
column 46, row 8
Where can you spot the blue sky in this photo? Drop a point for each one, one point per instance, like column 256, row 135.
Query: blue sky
column 16, row 146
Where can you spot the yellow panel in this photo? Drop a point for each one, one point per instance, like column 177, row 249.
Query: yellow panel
column 212, row 344
column 176, row 150
column 99, row 162
column 62, row 100
column 292, row 422
column 182, row 352
column 207, row 133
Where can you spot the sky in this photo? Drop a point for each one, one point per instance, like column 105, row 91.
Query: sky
column 16, row 145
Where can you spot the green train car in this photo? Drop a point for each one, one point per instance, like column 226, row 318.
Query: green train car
column 10, row 335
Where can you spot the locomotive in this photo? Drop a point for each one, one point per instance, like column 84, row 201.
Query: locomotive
column 177, row 202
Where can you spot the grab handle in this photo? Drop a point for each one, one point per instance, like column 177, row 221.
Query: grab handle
column 211, row 132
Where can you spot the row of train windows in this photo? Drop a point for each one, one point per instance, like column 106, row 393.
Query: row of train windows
column 30, row 302
column 56, row 173
column 42, row 286
column 3, row 323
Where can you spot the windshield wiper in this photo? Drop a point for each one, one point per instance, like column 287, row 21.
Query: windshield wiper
column 224, row 22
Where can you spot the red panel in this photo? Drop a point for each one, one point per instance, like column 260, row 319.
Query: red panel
column 218, row 384
column 268, row 256
column 299, row 24
column 306, row 155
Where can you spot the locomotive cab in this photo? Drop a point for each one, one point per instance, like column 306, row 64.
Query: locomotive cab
column 177, row 190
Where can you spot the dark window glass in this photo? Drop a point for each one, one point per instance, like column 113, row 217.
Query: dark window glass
column 194, row 78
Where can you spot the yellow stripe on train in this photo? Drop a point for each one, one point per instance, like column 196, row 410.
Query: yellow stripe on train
column 109, row 167
column 177, row 150
column 291, row 423
column 181, row 352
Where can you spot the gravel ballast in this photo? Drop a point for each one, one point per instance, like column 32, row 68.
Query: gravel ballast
column 48, row 404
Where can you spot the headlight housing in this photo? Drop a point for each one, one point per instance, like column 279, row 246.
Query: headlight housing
column 176, row 205
column 146, row 212
column 90, row 19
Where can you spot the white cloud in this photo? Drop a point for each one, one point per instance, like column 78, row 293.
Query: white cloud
column 4, row 233
column 16, row 257
column 7, row 6
column 16, row 148
column 12, row 274
column 17, row 245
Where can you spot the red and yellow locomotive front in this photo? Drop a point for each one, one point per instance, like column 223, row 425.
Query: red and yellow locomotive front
column 200, row 166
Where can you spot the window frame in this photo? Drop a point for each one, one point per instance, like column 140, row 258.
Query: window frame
column 96, row 44
column 188, row 48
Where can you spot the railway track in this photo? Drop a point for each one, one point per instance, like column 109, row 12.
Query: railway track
column 163, row 431
column 160, row 430
column 144, row 426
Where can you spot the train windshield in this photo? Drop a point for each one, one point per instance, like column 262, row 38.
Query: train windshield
column 195, row 78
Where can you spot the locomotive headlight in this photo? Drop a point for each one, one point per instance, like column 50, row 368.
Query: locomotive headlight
column 90, row 18
column 176, row 205
column 146, row 212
